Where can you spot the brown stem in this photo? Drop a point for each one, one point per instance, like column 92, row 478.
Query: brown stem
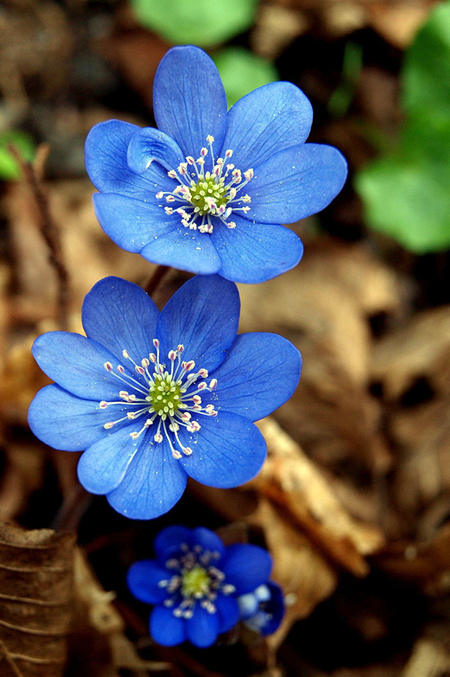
column 156, row 279
column 49, row 232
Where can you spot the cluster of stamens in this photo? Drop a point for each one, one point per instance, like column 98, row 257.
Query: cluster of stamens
column 201, row 195
column 166, row 398
column 195, row 580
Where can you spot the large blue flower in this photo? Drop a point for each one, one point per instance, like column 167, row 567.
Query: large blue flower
column 154, row 397
column 208, row 190
column 196, row 583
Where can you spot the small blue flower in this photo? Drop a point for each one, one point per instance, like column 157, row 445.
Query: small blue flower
column 195, row 584
column 154, row 397
column 208, row 190
column 263, row 609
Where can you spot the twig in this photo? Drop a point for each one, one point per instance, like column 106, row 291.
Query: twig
column 156, row 279
column 48, row 229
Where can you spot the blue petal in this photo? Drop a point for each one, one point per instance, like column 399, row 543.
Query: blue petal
column 227, row 451
column 254, row 252
column 228, row 610
column 107, row 166
column 208, row 540
column 165, row 628
column 183, row 248
column 203, row 315
column 260, row 373
column 150, row 144
column 154, row 482
column 103, row 465
column 169, row 541
column 64, row 421
column 76, row 363
column 246, row 566
column 266, row 121
column 134, row 223
column 120, row 315
column 296, row 183
column 202, row 629
column 189, row 100
column 143, row 580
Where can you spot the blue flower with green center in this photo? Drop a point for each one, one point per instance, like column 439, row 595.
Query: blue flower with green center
column 209, row 189
column 152, row 397
column 195, row 584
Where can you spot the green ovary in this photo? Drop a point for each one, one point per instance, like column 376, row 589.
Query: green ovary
column 195, row 582
column 165, row 395
column 207, row 188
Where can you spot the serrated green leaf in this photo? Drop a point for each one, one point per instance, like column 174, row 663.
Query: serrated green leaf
column 242, row 72
column 9, row 169
column 196, row 22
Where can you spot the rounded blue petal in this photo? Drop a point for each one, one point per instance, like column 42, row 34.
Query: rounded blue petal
column 121, row 316
column 106, row 162
column 208, row 540
column 143, row 579
column 255, row 252
column 296, row 183
column 64, row 421
column 154, row 482
column 189, row 100
column 149, row 145
column 76, row 363
column 165, row 628
column 193, row 317
column 246, row 566
column 182, row 248
column 228, row 451
column 266, row 121
column 103, row 465
column 260, row 373
column 169, row 541
column 202, row 629
column 133, row 223
column 228, row 610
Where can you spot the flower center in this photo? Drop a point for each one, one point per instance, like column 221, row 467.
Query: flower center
column 195, row 579
column 195, row 582
column 205, row 196
column 167, row 397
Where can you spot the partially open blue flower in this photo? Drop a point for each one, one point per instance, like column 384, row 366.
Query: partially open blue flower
column 262, row 609
column 195, row 583
column 154, row 397
column 208, row 190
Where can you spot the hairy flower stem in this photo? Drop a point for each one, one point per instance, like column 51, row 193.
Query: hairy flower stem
column 155, row 280
column 49, row 229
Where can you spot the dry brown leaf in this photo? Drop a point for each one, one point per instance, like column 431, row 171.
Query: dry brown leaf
column 323, row 307
column 36, row 578
column 98, row 645
column 291, row 481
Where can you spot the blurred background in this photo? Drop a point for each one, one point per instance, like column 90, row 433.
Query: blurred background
column 354, row 500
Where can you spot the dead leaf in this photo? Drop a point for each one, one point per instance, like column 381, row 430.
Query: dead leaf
column 36, row 577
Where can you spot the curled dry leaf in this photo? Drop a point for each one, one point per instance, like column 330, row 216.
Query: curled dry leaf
column 36, row 583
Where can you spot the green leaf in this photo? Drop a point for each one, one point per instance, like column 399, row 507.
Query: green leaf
column 198, row 22
column 9, row 169
column 426, row 71
column 407, row 195
column 242, row 72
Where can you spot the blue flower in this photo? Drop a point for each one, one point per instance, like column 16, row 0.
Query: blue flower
column 154, row 397
column 195, row 583
column 263, row 609
column 207, row 191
